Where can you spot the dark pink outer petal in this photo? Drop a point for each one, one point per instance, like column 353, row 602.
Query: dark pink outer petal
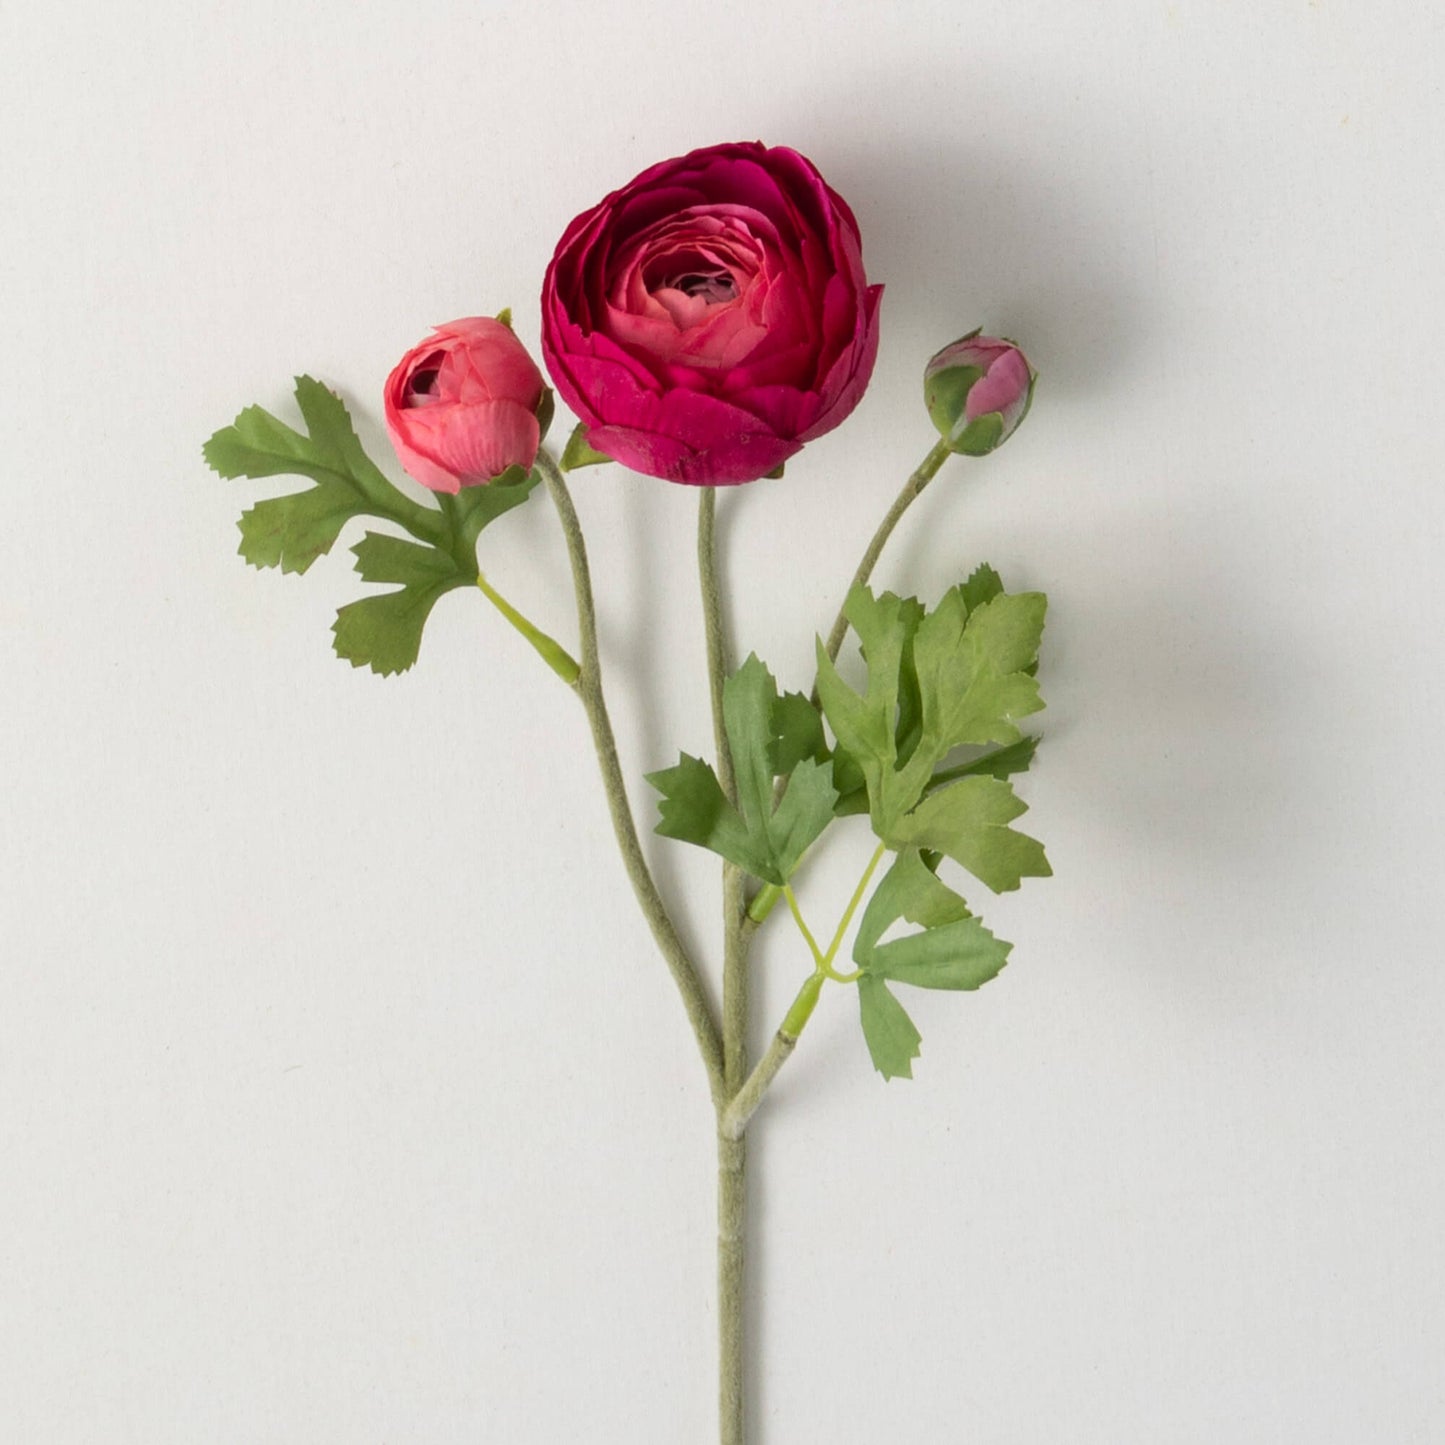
column 647, row 402
column 845, row 385
column 744, row 459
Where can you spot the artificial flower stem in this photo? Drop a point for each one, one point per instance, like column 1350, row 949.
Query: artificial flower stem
column 841, row 932
column 548, row 648
column 804, row 929
column 717, row 651
column 746, row 1100
column 589, row 689
column 927, row 470
column 766, row 898
column 732, row 1149
column 735, row 982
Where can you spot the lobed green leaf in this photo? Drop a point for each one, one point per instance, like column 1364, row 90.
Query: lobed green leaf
column 891, row 1037
column 967, row 821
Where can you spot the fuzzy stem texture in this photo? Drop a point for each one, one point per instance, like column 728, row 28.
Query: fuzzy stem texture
column 589, row 689
column 732, row 1149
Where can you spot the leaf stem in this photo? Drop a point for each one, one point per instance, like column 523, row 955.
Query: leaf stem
column 589, row 690
column 548, row 648
column 734, row 1119
column 803, row 928
column 847, row 917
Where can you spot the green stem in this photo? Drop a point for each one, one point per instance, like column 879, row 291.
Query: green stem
column 717, row 651
column 589, row 690
column 732, row 1149
column 766, row 898
column 745, row 1100
column 804, row 929
column 548, row 648
column 925, row 473
column 847, row 917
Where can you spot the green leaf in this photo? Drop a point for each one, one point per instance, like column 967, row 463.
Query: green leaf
column 578, row 453
column 970, row 669
column 952, row 950
column 866, row 726
column 996, row 763
column 384, row 633
column 750, row 706
column 953, row 677
column 749, row 696
column 804, row 810
column 694, row 809
column 983, row 585
column 292, row 531
column 891, row 1037
column 767, row 841
column 797, row 733
column 961, row 955
column 478, row 507
column 909, row 890
column 968, row 821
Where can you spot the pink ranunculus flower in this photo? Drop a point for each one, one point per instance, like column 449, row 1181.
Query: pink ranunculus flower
column 462, row 407
column 977, row 390
column 712, row 315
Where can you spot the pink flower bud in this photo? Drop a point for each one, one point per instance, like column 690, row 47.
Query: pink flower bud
column 977, row 391
column 462, row 407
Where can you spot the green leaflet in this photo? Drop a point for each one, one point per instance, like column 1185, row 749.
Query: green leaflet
column 765, row 840
column 866, row 726
column 384, row 632
column 292, row 531
column 891, row 1037
column 958, row 676
column 694, row 809
column 381, row 632
column 968, row 821
column 952, row 950
column 797, row 734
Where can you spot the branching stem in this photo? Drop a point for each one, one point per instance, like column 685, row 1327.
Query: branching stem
column 588, row 687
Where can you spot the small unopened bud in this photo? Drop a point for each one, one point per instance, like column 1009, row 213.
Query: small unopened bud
column 977, row 391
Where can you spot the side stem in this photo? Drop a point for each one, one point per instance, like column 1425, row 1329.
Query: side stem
column 927, row 470
column 588, row 687
column 767, row 896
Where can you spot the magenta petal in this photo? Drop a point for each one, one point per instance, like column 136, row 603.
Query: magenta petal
column 698, row 379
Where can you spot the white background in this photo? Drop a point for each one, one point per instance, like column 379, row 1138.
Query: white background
column 342, row 1099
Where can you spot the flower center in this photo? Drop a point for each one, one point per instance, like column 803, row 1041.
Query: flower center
column 712, row 286
column 421, row 386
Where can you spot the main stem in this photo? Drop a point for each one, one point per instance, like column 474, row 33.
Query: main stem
column 732, row 1148
column 588, row 687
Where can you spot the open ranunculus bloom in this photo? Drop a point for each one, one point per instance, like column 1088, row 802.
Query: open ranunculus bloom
column 712, row 316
